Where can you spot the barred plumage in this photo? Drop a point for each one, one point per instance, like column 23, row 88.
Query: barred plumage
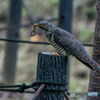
column 60, row 49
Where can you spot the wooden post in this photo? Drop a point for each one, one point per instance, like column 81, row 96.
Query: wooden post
column 14, row 18
column 51, row 68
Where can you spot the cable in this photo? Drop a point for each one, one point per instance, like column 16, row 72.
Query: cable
column 45, row 43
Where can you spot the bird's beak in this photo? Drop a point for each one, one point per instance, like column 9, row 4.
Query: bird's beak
column 36, row 24
column 34, row 30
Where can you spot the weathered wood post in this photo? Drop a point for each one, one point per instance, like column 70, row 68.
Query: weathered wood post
column 51, row 68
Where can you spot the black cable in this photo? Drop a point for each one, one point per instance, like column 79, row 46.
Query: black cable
column 89, row 45
column 45, row 43
column 21, row 41
column 23, row 87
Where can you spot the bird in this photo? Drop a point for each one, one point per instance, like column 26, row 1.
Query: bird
column 66, row 44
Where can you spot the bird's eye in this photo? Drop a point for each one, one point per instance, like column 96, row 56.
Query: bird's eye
column 43, row 24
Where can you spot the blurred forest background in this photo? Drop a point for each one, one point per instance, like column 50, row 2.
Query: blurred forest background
column 83, row 24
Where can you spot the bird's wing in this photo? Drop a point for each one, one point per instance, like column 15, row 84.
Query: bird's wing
column 66, row 41
column 72, row 45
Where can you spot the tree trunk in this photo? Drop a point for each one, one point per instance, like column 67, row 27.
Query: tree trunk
column 94, row 84
column 14, row 18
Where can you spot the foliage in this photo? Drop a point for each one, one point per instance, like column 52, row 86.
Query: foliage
column 84, row 33
column 85, row 9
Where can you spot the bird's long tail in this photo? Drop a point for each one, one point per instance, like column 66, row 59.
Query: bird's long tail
column 90, row 63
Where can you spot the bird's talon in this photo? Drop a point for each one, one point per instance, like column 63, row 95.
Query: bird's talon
column 55, row 54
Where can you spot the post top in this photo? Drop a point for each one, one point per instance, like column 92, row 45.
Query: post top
column 51, row 54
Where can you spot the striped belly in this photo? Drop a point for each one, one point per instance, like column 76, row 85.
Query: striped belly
column 57, row 47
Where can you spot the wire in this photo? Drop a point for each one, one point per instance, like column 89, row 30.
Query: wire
column 23, row 87
column 45, row 43
column 21, row 41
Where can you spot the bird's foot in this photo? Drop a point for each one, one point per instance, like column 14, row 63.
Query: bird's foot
column 55, row 54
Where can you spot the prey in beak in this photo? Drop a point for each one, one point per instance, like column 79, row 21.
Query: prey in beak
column 33, row 33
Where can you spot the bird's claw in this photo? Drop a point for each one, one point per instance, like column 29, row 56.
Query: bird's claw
column 55, row 54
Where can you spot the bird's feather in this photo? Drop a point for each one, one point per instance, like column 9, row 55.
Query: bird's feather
column 67, row 44
column 72, row 45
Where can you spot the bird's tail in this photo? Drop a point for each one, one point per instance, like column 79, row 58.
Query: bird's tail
column 95, row 65
column 90, row 64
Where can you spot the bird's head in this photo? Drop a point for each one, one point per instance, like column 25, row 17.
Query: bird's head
column 45, row 25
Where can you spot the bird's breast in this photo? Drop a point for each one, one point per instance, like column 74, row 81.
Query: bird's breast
column 57, row 47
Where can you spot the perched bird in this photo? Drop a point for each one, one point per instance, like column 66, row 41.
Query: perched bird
column 66, row 44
